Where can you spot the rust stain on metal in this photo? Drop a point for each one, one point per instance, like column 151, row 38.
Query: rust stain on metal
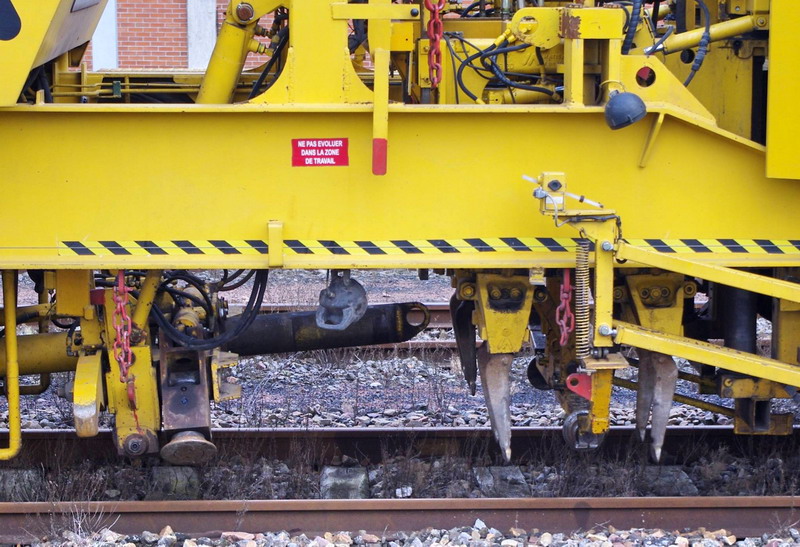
column 740, row 516
column 570, row 26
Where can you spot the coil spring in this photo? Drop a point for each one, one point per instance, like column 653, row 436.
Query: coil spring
column 582, row 319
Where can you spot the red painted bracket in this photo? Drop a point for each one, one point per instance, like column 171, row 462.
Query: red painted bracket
column 97, row 297
column 580, row 383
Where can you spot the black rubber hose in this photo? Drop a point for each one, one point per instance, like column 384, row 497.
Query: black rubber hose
column 654, row 15
column 276, row 55
column 469, row 8
column 636, row 15
column 235, row 285
column 705, row 40
column 495, row 68
column 248, row 316
column 464, row 64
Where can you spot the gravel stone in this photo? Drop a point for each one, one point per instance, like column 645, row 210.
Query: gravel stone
column 20, row 484
column 668, row 481
column 344, row 483
column 501, row 482
column 174, row 483
column 149, row 537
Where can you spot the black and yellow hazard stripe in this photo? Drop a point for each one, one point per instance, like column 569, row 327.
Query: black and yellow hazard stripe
column 412, row 246
column 177, row 247
column 721, row 246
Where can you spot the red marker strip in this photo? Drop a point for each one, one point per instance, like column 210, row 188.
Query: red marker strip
column 379, row 150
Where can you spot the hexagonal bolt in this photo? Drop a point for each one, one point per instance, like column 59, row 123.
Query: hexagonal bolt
column 245, row 12
column 135, row 445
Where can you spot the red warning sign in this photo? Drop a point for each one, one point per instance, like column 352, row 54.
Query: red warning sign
column 320, row 153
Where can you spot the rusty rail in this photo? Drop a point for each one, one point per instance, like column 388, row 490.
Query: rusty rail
column 741, row 516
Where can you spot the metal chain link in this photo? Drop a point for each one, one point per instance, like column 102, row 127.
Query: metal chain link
column 435, row 35
column 564, row 316
column 123, row 327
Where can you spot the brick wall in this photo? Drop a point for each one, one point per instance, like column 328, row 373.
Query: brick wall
column 151, row 35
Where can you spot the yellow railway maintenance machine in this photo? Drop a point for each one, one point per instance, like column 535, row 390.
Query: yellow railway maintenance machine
column 580, row 170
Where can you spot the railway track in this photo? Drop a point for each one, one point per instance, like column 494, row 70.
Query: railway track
column 740, row 516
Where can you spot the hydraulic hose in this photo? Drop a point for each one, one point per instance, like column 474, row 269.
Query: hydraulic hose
column 636, row 16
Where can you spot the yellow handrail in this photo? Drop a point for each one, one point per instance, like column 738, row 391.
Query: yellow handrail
column 12, row 365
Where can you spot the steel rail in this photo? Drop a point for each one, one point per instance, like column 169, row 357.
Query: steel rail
column 740, row 516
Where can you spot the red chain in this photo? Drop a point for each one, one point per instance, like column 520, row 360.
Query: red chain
column 564, row 316
column 123, row 327
column 435, row 34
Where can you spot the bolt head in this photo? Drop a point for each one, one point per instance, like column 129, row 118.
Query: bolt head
column 467, row 291
column 414, row 12
column 135, row 445
column 245, row 12
column 604, row 330
column 607, row 246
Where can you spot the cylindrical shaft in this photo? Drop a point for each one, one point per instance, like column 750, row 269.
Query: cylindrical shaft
column 40, row 354
column 225, row 66
column 146, row 297
column 739, row 310
column 12, row 365
column 298, row 331
column 719, row 31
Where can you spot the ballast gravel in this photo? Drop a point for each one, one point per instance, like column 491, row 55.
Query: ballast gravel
column 478, row 534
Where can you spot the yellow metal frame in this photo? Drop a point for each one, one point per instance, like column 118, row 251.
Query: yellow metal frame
column 229, row 168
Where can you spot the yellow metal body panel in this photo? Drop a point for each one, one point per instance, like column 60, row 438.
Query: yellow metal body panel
column 72, row 288
column 47, row 28
column 486, row 199
column 783, row 116
column 723, row 86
